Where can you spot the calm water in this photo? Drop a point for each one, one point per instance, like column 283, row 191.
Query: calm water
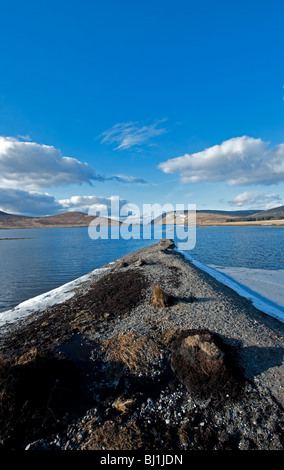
column 48, row 258
column 249, row 247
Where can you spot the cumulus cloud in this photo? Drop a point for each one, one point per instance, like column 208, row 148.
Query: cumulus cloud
column 256, row 200
column 17, row 201
column 132, row 134
column 91, row 204
column 31, row 166
column 237, row 161
column 32, row 203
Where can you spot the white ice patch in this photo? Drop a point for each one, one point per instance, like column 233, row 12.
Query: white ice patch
column 265, row 282
column 263, row 287
column 41, row 302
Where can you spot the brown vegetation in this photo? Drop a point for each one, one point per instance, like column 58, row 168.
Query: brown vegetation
column 66, row 219
column 205, row 364
column 160, row 298
column 122, row 405
column 134, row 351
column 113, row 436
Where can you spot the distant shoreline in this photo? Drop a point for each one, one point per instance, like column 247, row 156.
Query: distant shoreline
column 18, row 238
column 271, row 217
column 272, row 223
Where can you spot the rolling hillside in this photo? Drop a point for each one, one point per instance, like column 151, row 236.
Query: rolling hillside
column 67, row 219
column 207, row 217
column 275, row 213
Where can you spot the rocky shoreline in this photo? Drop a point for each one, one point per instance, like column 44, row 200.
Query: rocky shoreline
column 122, row 366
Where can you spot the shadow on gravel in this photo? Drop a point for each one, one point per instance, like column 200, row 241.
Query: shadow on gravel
column 260, row 359
column 36, row 395
column 191, row 298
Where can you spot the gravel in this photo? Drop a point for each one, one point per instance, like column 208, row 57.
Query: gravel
column 135, row 401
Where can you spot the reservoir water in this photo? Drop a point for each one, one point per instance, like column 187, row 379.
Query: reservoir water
column 35, row 261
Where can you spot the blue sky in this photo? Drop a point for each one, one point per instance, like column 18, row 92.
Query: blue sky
column 155, row 101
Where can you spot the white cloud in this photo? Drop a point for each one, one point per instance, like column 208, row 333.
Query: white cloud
column 113, row 207
column 17, row 201
column 27, row 167
column 90, row 203
column 31, row 166
column 256, row 200
column 31, row 203
column 131, row 134
column 238, row 161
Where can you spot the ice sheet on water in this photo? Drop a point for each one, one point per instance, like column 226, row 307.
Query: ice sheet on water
column 267, row 283
column 263, row 287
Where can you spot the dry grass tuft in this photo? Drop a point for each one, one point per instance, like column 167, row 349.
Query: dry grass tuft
column 168, row 335
column 160, row 298
column 206, row 365
column 135, row 351
column 113, row 436
column 3, row 367
column 28, row 356
column 122, row 405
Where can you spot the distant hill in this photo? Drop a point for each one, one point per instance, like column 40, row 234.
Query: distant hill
column 217, row 217
column 80, row 219
column 67, row 219
column 4, row 215
column 276, row 212
column 240, row 213
column 203, row 217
